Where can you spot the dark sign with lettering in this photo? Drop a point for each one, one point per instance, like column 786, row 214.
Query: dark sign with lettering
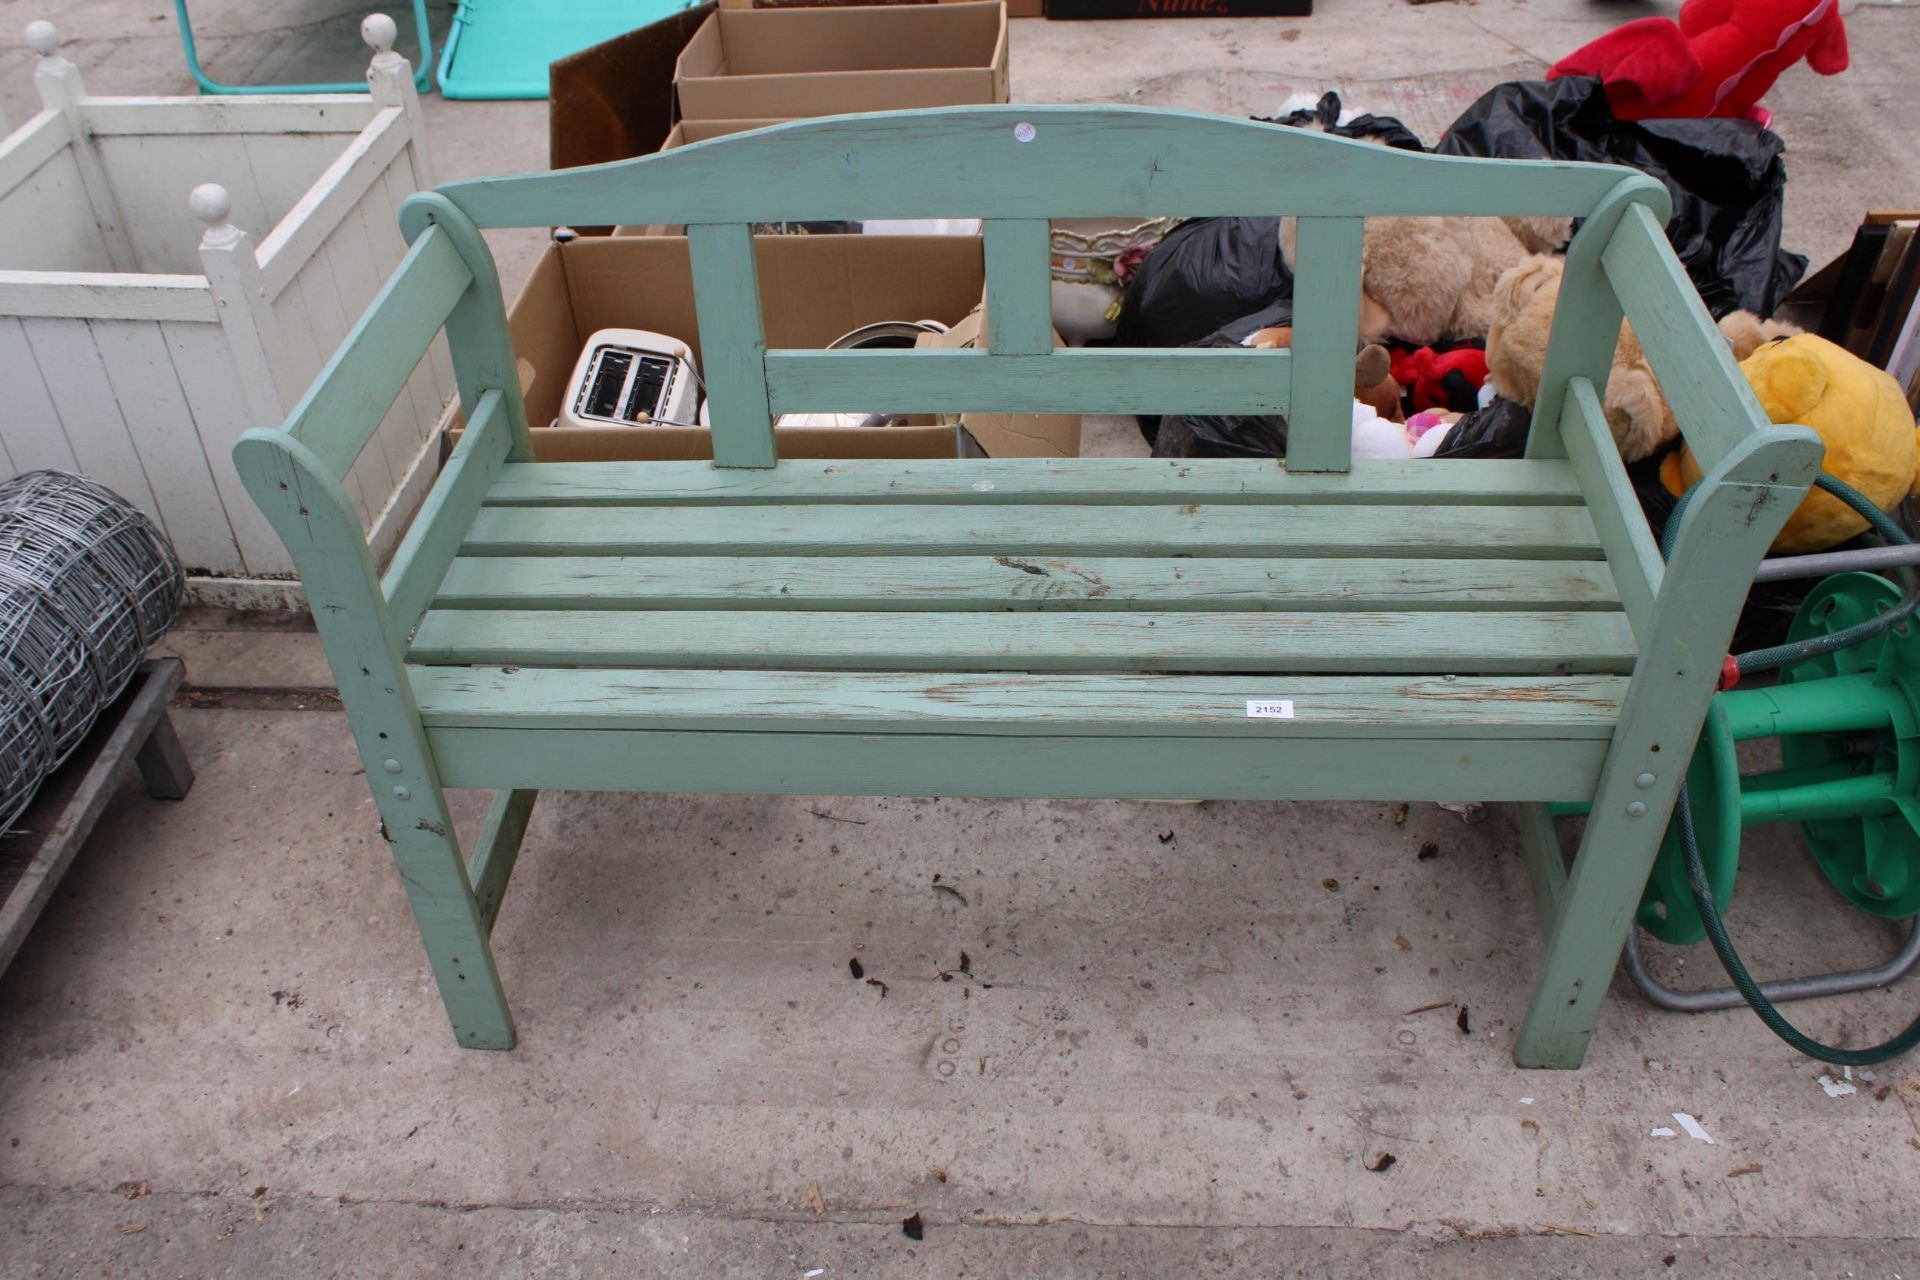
column 1179, row 8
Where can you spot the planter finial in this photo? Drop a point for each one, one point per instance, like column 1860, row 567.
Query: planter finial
column 43, row 38
column 212, row 204
column 379, row 31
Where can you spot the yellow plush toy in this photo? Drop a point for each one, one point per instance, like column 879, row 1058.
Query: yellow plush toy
column 1860, row 415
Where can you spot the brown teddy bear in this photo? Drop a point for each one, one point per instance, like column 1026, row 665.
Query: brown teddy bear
column 1637, row 412
column 1427, row 279
column 1373, row 383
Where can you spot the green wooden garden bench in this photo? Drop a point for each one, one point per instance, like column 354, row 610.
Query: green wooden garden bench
column 1322, row 629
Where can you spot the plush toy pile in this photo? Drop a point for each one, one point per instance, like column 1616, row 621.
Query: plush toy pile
column 1456, row 313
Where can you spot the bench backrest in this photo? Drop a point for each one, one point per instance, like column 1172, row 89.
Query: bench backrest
column 1015, row 167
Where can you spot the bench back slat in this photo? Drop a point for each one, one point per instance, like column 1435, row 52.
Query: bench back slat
column 1076, row 161
column 1019, row 286
column 733, row 343
column 1326, row 319
column 1072, row 380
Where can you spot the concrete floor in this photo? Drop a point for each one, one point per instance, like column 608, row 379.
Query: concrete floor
column 1189, row 1038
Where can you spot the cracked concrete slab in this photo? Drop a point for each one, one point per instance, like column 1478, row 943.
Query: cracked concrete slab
column 253, row 1235
column 1222, row 1029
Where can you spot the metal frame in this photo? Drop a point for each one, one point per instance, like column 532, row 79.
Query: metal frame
column 1779, row 990
column 422, row 78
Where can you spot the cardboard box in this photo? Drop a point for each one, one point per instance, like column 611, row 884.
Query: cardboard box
column 702, row 130
column 785, row 63
column 812, row 290
column 680, row 135
column 1017, row 434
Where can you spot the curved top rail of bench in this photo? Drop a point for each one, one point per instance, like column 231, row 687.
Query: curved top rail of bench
column 1027, row 161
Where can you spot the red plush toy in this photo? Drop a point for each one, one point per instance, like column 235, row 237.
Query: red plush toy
column 1719, row 61
column 1447, row 379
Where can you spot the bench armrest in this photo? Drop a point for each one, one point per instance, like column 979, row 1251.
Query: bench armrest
column 1621, row 266
column 446, row 280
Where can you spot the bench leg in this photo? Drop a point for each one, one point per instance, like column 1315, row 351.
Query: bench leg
column 496, row 850
column 302, row 497
column 1736, row 511
column 455, row 934
column 1585, row 937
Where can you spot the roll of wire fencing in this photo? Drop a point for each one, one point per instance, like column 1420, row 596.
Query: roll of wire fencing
column 88, row 583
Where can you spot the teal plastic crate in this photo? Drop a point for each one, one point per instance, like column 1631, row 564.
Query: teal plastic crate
column 501, row 48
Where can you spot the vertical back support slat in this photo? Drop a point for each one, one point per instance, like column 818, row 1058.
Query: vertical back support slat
column 1631, row 551
column 1326, row 325
column 1019, row 286
column 433, row 539
column 733, row 343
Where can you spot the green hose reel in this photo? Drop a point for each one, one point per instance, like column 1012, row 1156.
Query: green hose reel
column 1849, row 730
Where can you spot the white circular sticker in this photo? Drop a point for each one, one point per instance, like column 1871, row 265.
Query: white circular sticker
column 1023, row 132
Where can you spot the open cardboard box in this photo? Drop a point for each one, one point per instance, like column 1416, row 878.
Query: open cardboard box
column 689, row 131
column 785, row 63
column 812, row 290
column 682, row 134
column 1017, row 435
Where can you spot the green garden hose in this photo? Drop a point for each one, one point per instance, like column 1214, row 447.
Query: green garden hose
column 1765, row 660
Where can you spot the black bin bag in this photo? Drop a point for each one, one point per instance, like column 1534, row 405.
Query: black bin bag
column 1183, row 435
column 1727, row 177
column 1204, row 274
column 1496, row 430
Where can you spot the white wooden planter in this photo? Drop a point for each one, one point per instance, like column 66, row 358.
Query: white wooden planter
column 174, row 271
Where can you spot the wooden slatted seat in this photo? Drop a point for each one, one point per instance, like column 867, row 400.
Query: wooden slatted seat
column 1315, row 629
column 779, row 612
